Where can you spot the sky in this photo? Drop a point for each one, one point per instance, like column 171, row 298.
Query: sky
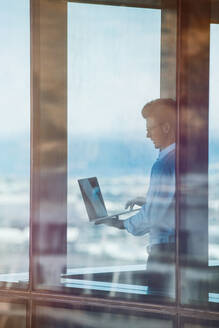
column 15, row 68
column 113, row 69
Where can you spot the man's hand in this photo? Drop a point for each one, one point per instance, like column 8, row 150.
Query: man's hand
column 112, row 222
column 136, row 201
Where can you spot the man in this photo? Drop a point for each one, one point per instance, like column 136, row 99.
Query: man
column 157, row 213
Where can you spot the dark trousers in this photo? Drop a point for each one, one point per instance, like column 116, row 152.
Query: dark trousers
column 160, row 274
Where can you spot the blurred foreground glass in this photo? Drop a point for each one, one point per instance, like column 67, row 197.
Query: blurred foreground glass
column 12, row 315
column 205, row 325
column 114, row 60
column 195, row 323
column 54, row 317
column 14, row 142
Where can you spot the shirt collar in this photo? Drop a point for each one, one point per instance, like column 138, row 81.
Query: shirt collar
column 166, row 150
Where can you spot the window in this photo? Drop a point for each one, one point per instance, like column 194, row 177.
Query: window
column 85, row 126
column 113, row 71
column 15, row 143
column 213, row 167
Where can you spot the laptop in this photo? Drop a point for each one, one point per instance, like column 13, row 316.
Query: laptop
column 93, row 200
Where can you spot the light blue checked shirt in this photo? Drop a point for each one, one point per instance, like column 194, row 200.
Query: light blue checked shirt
column 157, row 215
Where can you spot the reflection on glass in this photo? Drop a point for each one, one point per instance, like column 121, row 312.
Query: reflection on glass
column 202, row 325
column 214, row 168
column 65, row 317
column 12, row 315
column 113, row 71
column 14, row 141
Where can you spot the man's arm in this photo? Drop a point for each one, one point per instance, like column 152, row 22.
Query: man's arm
column 119, row 224
column 140, row 201
column 137, row 224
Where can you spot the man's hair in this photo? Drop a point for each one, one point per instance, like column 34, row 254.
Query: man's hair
column 162, row 109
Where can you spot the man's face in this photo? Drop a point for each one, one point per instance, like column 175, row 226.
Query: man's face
column 155, row 132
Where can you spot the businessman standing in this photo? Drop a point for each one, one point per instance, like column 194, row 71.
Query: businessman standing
column 157, row 214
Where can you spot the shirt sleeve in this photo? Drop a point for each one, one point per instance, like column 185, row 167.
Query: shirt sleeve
column 157, row 214
column 138, row 224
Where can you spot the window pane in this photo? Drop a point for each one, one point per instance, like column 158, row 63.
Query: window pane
column 14, row 141
column 213, row 199
column 114, row 60
column 48, row 316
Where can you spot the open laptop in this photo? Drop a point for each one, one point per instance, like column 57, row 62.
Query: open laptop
column 93, row 200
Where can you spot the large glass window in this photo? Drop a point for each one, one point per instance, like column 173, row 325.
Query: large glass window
column 112, row 151
column 114, row 69
column 14, row 141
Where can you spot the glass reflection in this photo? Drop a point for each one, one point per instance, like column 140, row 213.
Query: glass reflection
column 113, row 71
column 65, row 317
column 206, row 324
column 14, row 142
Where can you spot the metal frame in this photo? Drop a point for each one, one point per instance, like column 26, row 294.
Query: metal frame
column 178, row 312
column 152, row 4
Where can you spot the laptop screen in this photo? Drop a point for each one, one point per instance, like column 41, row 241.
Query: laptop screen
column 92, row 197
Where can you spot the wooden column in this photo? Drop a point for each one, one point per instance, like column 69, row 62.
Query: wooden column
column 49, row 141
column 168, row 49
column 193, row 98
